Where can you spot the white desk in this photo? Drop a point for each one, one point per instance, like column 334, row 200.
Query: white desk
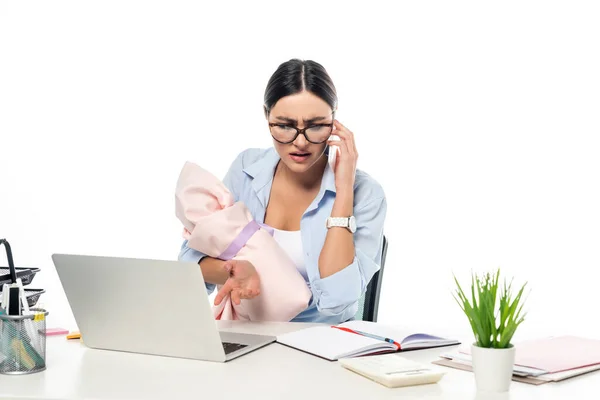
column 273, row 372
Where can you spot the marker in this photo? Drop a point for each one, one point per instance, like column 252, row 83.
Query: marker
column 5, row 297
column 28, row 322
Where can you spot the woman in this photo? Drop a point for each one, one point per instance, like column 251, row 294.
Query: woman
column 330, row 221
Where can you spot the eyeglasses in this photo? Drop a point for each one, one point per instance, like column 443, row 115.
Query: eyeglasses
column 317, row 134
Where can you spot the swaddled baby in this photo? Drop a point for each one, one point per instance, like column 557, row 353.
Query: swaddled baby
column 220, row 228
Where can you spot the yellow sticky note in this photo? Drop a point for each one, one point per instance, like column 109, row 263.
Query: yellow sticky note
column 74, row 335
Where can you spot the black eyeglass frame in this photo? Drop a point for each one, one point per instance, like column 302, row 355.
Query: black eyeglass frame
column 302, row 131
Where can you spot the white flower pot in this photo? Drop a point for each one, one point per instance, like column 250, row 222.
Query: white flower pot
column 493, row 368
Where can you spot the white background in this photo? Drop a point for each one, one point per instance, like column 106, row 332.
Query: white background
column 480, row 121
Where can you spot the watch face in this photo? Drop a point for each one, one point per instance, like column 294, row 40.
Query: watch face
column 352, row 223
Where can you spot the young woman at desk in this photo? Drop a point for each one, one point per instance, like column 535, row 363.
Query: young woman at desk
column 299, row 194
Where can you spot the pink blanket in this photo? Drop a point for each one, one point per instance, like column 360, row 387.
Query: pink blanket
column 219, row 227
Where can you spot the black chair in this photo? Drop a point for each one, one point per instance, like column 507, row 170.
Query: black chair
column 369, row 303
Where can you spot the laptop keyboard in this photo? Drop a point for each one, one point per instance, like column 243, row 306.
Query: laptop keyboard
column 231, row 347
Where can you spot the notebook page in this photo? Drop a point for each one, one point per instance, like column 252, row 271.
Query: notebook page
column 421, row 339
column 328, row 342
column 406, row 338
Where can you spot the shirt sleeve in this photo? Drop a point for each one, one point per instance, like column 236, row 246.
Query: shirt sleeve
column 188, row 254
column 233, row 182
column 339, row 293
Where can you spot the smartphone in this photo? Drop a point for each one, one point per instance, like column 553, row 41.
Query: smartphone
column 333, row 152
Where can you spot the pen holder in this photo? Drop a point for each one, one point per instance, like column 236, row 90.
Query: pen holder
column 23, row 342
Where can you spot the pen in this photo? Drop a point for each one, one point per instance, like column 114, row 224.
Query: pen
column 370, row 335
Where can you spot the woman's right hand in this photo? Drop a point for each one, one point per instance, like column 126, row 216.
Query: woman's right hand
column 243, row 282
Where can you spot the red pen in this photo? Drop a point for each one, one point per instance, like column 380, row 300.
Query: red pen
column 392, row 341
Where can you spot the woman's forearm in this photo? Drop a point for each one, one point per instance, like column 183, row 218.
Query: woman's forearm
column 213, row 271
column 338, row 250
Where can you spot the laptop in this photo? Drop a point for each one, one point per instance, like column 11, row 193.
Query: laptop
column 147, row 306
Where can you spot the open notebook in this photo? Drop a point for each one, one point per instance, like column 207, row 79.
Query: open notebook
column 358, row 338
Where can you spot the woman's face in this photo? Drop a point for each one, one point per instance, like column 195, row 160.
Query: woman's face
column 301, row 110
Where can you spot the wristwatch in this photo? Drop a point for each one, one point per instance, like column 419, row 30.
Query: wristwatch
column 343, row 222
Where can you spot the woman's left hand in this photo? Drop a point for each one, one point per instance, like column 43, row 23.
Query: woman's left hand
column 345, row 163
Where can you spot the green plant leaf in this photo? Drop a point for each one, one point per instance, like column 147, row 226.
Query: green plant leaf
column 493, row 313
column 466, row 307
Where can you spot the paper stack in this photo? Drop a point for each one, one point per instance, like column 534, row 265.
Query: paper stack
column 541, row 361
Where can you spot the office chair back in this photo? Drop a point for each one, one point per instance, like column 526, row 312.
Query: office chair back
column 368, row 304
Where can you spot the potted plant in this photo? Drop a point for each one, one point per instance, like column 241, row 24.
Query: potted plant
column 494, row 317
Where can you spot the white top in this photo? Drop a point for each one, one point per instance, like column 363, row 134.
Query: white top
column 291, row 242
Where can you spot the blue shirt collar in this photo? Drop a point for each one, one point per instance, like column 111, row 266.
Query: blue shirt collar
column 263, row 170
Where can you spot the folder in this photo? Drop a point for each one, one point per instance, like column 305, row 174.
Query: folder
column 539, row 361
column 555, row 354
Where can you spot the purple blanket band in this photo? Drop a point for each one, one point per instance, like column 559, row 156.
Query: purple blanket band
column 242, row 238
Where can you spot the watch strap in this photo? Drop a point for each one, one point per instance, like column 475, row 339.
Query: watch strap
column 343, row 222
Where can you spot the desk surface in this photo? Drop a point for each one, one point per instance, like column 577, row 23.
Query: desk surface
column 273, row 372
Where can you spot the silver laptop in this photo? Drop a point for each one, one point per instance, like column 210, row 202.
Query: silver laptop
column 147, row 306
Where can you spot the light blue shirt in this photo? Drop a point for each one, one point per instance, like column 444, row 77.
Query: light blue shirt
column 334, row 298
